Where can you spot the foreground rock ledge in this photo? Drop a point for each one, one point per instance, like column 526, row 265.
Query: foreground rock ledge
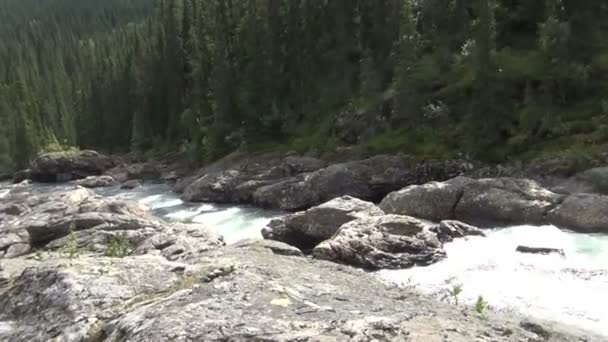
column 248, row 292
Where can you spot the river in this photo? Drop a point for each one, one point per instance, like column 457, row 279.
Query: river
column 572, row 289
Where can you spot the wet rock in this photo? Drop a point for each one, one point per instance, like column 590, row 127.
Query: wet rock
column 539, row 250
column 447, row 231
column 69, row 165
column 382, row 242
column 21, row 176
column 131, row 184
column 307, row 229
column 96, row 182
column 586, row 213
column 214, row 187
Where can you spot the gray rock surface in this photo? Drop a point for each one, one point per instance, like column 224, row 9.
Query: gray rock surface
column 432, row 201
column 291, row 182
column 486, row 202
column 447, row 231
column 505, row 201
column 92, row 182
column 587, row 213
column 69, row 165
column 382, row 242
column 238, row 293
column 307, row 229
column 78, row 219
column 178, row 284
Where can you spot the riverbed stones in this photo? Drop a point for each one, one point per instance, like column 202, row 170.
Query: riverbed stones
column 307, row 229
column 382, row 242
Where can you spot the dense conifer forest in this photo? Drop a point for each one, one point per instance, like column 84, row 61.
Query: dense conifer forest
column 495, row 79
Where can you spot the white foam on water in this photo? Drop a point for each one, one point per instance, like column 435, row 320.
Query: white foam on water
column 571, row 289
column 161, row 201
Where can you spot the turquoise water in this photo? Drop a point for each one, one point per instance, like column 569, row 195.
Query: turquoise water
column 233, row 222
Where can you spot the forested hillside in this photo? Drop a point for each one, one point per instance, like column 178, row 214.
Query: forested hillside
column 492, row 78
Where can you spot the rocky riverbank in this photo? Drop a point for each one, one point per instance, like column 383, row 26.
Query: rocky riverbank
column 80, row 267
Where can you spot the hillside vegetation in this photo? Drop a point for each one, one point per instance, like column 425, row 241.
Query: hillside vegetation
column 495, row 79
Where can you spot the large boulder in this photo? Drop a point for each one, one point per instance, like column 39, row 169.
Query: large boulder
column 307, row 229
column 368, row 179
column 586, row 213
column 505, row 201
column 485, row 202
column 69, row 165
column 433, row 201
column 214, row 187
column 382, row 242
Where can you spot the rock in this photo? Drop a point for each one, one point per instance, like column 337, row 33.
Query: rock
column 96, row 182
column 251, row 294
column 307, row 229
column 131, row 184
column 21, row 176
column 585, row 213
column 367, row 179
column 382, row 242
column 69, row 165
column 505, row 201
column 151, row 170
column 432, row 201
column 181, row 241
column 214, row 187
column 447, row 231
column 275, row 247
column 486, row 202
column 57, row 302
column 79, row 219
column 539, row 250
column 253, row 291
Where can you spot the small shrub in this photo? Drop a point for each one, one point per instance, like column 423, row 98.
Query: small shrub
column 453, row 294
column 481, row 305
column 71, row 249
column 119, row 246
